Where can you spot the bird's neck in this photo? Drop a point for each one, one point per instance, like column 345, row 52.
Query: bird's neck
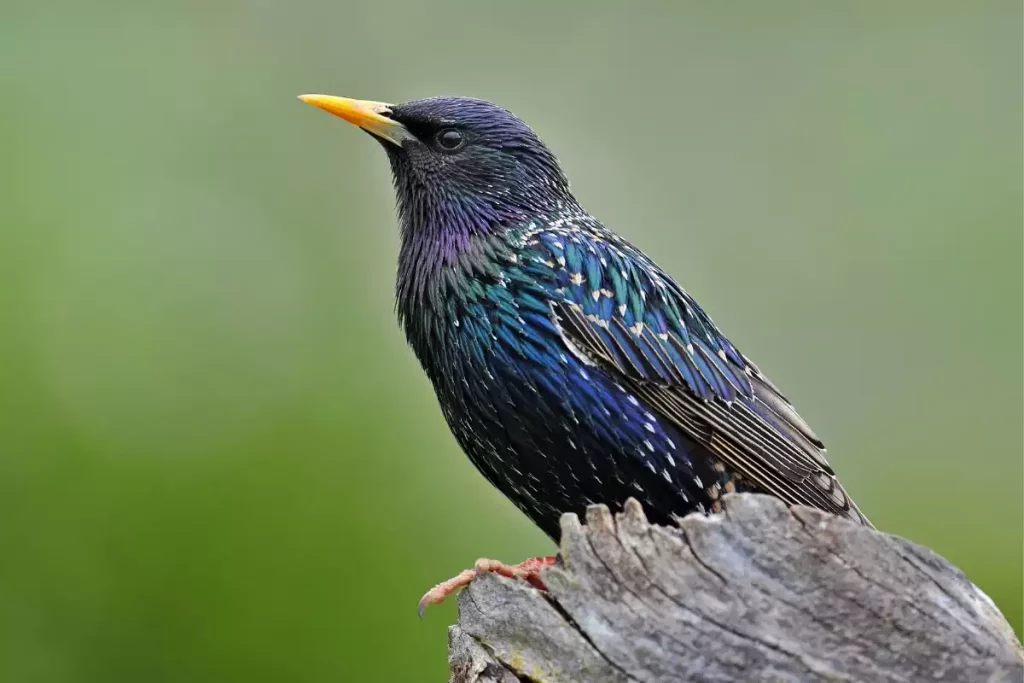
column 437, row 270
column 452, row 247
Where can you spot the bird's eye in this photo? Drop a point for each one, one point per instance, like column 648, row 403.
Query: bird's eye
column 449, row 139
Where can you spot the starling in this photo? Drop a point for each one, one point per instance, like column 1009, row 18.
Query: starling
column 570, row 368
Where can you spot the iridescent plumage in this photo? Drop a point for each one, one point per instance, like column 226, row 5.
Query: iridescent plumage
column 571, row 368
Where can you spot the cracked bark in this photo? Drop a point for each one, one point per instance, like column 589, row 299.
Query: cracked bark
column 761, row 592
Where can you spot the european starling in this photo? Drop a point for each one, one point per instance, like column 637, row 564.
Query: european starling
column 570, row 368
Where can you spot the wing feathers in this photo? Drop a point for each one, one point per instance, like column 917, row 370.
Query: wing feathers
column 667, row 351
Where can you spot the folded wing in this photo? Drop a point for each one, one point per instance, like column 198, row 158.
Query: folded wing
column 624, row 314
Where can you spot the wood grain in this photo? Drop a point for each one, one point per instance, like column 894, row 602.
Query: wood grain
column 760, row 592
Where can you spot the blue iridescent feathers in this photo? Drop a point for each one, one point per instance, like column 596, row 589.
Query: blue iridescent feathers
column 571, row 368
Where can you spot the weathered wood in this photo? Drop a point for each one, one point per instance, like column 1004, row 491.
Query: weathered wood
column 761, row 592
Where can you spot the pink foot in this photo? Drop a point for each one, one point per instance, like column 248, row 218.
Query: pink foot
column 528, row 570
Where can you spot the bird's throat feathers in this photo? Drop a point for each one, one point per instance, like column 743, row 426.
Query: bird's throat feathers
column 453, row 242
column 445, row 258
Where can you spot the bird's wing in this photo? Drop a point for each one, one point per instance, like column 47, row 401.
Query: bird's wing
column 621, row 312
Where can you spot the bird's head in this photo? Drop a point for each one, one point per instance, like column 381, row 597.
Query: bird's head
column 461, row 166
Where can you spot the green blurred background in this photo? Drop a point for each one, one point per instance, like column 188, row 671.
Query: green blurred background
column 219, row 462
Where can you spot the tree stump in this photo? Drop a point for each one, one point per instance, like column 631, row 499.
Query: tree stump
column 760, row 592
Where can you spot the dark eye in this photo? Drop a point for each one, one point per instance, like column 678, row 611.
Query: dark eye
column 449, row 139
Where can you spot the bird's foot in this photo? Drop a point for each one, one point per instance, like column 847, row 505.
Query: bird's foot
column 527, row 570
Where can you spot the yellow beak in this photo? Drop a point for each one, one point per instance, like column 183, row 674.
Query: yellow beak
column 367, row 115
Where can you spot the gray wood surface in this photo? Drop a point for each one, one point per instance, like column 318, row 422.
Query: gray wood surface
column 761, row 592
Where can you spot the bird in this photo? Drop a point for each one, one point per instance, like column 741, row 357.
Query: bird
column 568, row 365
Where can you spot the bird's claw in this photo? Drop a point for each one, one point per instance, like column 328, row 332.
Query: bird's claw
column 437, row 594
column 528, row 570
